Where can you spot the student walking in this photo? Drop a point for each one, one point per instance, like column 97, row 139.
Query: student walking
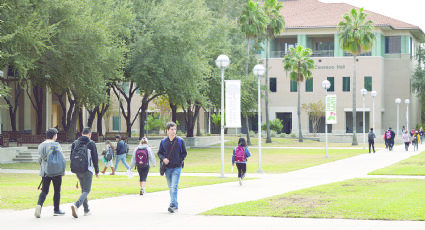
column 121, row 155
column 240, row 156
column 143, row 158
column 391, row 140
column 387, row 137
column 406, row 140
column 416, row 139
column 84, row 163
column 52, row 168
column 421, row 134
column 172, row 152
column 108, row 156
column 371, row 139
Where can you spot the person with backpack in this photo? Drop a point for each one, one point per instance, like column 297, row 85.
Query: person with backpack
column 84, row 163
column 122, row 150
column 385, row 139
column 108, row 156
column 390, row 138
column 143, row 158
column 240, row 155
column 416, row 139
column 52, row 169
column 172, row 152
column 421, row 133
column 406, row 140
column 371, row 139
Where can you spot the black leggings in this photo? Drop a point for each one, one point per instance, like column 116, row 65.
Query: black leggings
column 57, row 183
column 143, row 173
column 241, row 169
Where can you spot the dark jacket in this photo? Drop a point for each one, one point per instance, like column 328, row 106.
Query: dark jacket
column 93, row 151
column 392, row 134
column 177, row 156
column 120, row 147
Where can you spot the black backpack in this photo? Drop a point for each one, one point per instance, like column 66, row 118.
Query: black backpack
column 370, row 136
column 109, row 154
column 79, row 158
column 415, row 138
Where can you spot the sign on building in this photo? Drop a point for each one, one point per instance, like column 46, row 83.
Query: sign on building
column 233, row 103
column 331, row 109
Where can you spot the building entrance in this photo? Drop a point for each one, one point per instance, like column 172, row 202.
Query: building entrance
column 286, row 121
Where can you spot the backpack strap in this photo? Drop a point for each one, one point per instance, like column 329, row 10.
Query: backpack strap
column 180, row 140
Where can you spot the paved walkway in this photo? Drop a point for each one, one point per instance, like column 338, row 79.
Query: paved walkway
column 150, row 211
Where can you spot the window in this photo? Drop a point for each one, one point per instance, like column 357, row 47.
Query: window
column 323, row 49
column 273, row 84
column 368, row 83
column 293, row 86
column 116, row 123
column 309, row 85
column 345, row 84
column 331, row 80
column 393, row 45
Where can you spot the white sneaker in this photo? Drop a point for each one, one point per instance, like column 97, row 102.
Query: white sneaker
column 37, row 211
column 240, row 181
column 130, row 173
column 74, row 211
column 87, row 213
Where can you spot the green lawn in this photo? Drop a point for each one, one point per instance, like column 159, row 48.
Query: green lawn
column 19, row 191
column 413, row 166
column 383, row 199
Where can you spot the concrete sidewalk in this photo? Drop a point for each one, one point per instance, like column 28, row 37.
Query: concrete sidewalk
column 150, row 211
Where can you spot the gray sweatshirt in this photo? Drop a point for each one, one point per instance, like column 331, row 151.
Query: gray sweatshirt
column 152, row 160
column 42, row 155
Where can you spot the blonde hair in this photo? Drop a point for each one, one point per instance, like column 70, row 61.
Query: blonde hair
column 108, row 142
column 144, row 141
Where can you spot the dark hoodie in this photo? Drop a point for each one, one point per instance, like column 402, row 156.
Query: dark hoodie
column 177, row 156
column 93, row 150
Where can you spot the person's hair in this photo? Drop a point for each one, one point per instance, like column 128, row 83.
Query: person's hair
column 242, row 142
column 108, row 142
column 86, row 131
column 118, row 136
column 371, row 129
column 170, row 124
column 405, row 132
column 50, row 133
column 144, row 141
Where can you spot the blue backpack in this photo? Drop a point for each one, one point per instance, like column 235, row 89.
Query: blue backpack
column 55, row 164
column 178, row 139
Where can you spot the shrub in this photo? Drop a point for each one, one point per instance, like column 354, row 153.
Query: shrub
column 251, row 133
column 282, row 135
column 208, row 134
column 273, row 133
column 293, row 135
column 275, row 125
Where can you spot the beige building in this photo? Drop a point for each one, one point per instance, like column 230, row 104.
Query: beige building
column 386, row 69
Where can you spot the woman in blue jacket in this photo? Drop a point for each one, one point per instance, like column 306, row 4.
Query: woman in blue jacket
column 240, row 155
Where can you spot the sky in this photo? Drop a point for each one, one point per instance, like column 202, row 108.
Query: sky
column 410, row 11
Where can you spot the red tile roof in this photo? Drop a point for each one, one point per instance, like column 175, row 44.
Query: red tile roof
column 313, row 13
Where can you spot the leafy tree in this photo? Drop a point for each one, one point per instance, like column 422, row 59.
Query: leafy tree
column 275, row 25
column 299, row 64
column 355, row 36
column 418, row 79
column 316, row 112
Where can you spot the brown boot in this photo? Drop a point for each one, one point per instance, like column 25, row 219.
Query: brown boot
column 104, row 170
column 113, row 171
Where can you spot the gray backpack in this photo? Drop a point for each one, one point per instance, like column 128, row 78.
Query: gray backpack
column 55, row 164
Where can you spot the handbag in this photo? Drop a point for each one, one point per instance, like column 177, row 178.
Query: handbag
column 162, row 164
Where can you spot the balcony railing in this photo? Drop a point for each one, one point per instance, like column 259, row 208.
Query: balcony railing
column 323, row 53
column 362, row 54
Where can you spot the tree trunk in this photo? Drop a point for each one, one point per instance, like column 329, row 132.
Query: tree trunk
column 37, row 104
column 190, row 117
column 80, row 120
column 269, row 139
column 13, row 107
column 300, row 133
column 248, row 138
column 173, row 112
column 92, row 116
column 143, row 109
column 73, row 124
column 354, row 104
column 142, row 124
column 198, row 127
column 99, row 124
column 247, row 60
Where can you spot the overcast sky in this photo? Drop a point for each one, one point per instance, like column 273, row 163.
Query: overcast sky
column 410, row 11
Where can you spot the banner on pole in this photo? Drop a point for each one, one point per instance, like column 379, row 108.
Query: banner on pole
column 330, row 109
column 233, row 104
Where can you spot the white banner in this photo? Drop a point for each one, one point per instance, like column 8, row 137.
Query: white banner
column 331, row 109
column 233, row 103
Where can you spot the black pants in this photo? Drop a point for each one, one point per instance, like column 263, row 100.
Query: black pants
column 143, row 173
column 406, row 145
column 372, row 143
column 57, row 183
column 241, row 169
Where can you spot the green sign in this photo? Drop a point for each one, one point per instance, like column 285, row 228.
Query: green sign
column 331, row 109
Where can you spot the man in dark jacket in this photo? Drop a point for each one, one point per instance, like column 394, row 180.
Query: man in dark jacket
column 121, row 154
column 85, row 176
column 391, row 144
column 173, row 155
column 371, row 138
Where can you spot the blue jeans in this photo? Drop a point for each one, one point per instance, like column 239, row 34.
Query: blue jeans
column 121, row 158
column 85, row 183
column 173, row 177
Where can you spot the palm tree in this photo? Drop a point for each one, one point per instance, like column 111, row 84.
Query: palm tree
column 253, row 22
column 275, row 25
column 355, row 36
column 299, row 63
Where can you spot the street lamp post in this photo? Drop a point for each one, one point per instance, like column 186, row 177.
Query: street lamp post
column 47, row 103
column 373, row 94
column 326, row 85
column 407, row 102
column 398, row 101
column 222, row 62
column 363, row 92
column 259, row 71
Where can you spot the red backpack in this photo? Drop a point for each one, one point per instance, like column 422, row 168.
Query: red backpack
column 141, row 157
column 240, row 154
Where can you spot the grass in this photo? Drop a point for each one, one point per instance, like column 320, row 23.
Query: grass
column 19, row 191
column 413, row 166
column 383, row 199
column 207, row 160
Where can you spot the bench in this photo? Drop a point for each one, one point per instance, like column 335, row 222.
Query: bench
column 4, row 140
column 111, row 136
column 14, row 135
column 30, row 139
